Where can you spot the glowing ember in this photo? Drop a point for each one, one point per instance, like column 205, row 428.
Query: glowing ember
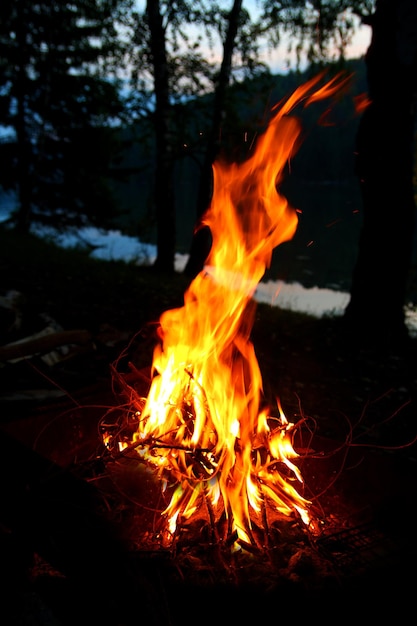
column 203, row 427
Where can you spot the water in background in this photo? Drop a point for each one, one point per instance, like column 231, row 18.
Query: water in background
column 114, row 245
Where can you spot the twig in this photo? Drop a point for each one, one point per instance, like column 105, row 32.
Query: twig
column 212, row 518
column 265, row 524
column 43, row 344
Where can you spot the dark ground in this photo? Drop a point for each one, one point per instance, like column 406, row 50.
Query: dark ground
column 67, row 533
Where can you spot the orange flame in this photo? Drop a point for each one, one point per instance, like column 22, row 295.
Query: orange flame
column 362, row 102
column 203, row 427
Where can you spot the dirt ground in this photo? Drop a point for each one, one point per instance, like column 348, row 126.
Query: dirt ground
column 79, row 546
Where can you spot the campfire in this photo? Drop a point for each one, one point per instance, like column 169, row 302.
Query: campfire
column 204, row 428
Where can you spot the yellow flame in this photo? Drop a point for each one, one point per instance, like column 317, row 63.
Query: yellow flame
column 202, row 423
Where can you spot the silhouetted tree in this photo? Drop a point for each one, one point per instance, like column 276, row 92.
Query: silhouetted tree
column 385, row 147
column 55, row 98
column 164, row 166
column 169, row 58
column 302, row 20
column 201, row 242
column 385, row 165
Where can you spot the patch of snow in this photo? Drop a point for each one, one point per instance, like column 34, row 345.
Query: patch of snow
column 114, row 246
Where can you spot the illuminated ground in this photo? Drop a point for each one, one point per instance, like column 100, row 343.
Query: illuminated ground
column 358, row 408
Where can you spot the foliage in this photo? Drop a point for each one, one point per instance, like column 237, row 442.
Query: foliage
column 69, row 73
column 318, row 30
column 176, row 60
column 58, row 104
column 194, row 32
column 65, row 68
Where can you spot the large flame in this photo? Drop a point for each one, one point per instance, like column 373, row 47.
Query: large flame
column 203, row 427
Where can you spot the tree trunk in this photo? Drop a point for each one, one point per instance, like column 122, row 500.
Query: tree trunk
column 375, row 312
column 24, row 177
column 23, row 143
column 201, row 243
column 164, row 184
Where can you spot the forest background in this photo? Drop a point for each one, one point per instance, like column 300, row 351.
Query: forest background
column 114, row 111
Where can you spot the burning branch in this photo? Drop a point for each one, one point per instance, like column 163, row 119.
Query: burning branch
column 202, row 428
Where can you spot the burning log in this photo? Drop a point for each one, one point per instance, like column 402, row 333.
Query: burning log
column 44, row 342
column 201, row 468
